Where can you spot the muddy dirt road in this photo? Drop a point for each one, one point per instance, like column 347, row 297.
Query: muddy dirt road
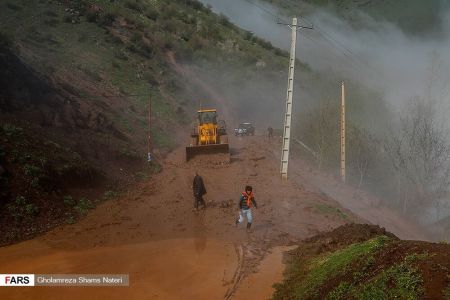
column 171, row 252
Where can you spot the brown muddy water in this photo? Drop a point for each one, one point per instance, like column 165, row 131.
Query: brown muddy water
column 164, row 269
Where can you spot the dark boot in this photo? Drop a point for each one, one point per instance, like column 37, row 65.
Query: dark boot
column 248, row 226
column 237, row 222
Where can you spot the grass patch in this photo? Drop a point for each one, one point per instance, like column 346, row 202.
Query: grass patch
column 110, row 194
column 400, row 281
column 326, row 209
column 304, row 280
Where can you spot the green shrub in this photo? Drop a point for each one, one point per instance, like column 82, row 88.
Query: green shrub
column 152, row 13
column 120, row 54
column 50, row 13
column 83, row 206
column 136, row 37
column 91, row 16
column 35, row 182
column 248, row 35
column 197, row 5
column 67, row 19
column 11, row 130
column 224, row 21
column 68, row 200
column 31, row 209
column 106, row 19
column 114, row 39
column 22, row 208
column 21, row 200
column 51, row 22
column 32, row 171
column 115, row 65
column 135, row 5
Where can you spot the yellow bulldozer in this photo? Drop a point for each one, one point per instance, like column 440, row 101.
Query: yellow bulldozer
column 209, row 136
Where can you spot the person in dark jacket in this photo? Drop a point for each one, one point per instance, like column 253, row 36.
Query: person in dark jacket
column 198, row 188
column 246, row 201
column 270, row 133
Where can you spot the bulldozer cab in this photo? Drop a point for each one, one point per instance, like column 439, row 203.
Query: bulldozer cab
column 208, row 116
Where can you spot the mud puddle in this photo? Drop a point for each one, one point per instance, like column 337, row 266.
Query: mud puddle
column 165, row 269
column 270, row 271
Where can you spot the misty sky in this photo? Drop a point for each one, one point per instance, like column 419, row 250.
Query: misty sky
column 382, row 57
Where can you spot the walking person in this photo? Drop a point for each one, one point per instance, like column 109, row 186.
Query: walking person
column 270, row 133
column 198, row 188
column 246, row 201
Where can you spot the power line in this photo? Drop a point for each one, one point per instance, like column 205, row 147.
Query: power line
column 333, row 51
column 278, row 17
column 348, row 53
column 342, row 48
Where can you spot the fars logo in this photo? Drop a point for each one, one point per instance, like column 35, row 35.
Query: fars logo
column 16, row 279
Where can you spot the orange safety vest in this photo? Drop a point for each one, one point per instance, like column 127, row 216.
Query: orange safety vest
column 248, row 198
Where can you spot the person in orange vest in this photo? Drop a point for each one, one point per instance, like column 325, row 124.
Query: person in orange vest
column 246, row 201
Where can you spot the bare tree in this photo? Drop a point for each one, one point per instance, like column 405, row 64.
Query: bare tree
column 320, row 130
column 361, row 151
column 420, row 153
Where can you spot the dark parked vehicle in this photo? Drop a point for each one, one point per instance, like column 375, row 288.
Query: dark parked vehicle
column 244, row 129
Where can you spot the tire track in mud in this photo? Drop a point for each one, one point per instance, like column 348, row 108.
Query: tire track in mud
column 238, row 273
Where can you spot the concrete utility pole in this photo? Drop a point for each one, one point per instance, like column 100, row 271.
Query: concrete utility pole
column 290, row 91
column 343, row 133
column 288, row 114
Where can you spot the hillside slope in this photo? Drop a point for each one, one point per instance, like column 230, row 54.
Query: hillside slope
column 75, row 84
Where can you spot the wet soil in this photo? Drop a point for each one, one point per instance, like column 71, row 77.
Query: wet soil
column 169, row 250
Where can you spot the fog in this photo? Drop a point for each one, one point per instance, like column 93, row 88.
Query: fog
column 379, row 55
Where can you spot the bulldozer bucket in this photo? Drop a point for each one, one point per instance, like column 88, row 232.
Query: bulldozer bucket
column 219, row 153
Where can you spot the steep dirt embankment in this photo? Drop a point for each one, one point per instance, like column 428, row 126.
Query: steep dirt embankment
column 56, row 142
column 360, row 261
